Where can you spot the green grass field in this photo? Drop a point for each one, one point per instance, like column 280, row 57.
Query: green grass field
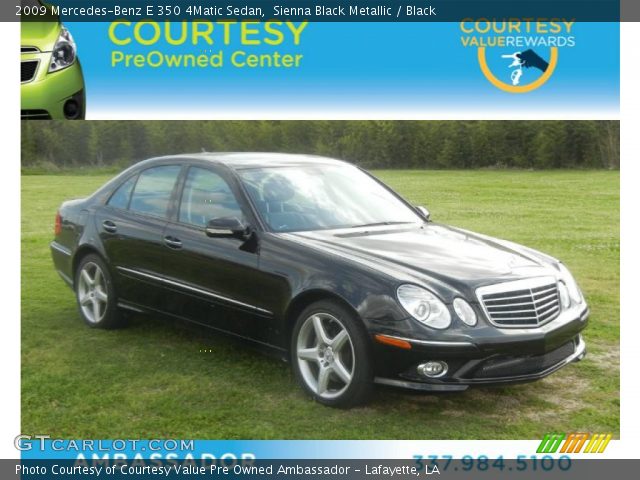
column 153, row 379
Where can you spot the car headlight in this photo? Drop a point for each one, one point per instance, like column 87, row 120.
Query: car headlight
column 565, row 300
column 465, row 312
column 424, row 306
column 574, row 290
column 64, row 52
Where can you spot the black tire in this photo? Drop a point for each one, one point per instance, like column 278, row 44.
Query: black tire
column 108, row 316
column 359, row 389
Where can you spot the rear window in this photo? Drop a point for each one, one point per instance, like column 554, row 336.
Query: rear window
column 120, row 198
column 153, row 190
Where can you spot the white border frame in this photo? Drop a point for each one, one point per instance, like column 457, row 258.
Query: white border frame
column 10, row 199
column 630, row 239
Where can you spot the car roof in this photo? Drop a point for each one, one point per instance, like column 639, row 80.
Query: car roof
column 242, row 160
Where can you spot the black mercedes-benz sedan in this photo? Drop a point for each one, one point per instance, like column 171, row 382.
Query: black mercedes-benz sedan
column 323, row 264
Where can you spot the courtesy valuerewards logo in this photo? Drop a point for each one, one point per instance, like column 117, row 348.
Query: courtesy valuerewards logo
column 518, row 55
column 574, row 443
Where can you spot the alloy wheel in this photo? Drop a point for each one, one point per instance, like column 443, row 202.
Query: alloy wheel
column 92, row 292
column 325, row 355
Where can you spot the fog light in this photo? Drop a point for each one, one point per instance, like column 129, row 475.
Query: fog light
column 433, row 369
column 71, row 109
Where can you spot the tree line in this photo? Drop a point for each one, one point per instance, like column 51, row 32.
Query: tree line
column 51, row 145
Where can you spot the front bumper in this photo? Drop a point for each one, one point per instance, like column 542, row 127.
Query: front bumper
column 502, row 357
column 46, row 94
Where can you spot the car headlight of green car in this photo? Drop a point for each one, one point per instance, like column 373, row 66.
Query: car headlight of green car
column 64, row 52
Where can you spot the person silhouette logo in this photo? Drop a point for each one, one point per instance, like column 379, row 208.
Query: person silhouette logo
column 520, row 61
column 526, row 59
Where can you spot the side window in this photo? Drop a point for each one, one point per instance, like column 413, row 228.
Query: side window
column 206, row 196
column 153, row 190
column 120, row 198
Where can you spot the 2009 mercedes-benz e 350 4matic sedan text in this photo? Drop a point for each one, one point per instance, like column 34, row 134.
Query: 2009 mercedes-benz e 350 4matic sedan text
column 319, row 261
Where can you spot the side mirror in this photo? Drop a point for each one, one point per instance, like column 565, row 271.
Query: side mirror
column 226, row 227
column 424, row 213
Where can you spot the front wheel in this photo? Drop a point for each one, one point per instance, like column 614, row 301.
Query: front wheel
column 331, row 356
column 96, row 294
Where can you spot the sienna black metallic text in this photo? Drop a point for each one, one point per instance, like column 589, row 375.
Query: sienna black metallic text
column 322, row 263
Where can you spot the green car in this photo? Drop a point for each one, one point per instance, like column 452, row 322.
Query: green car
column 52, row 84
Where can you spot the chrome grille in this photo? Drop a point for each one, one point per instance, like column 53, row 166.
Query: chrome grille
column 28, row 70
column 29, row 50
column 523, row 303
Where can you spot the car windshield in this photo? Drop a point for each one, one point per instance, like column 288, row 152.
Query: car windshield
column 318, row 197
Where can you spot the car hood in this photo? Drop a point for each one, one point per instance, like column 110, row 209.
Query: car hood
column 42, row 35
column 445, row 253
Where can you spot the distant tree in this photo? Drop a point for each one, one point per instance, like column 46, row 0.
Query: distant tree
column 371, row 144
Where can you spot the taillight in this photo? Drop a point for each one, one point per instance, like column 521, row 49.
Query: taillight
column 58, row 224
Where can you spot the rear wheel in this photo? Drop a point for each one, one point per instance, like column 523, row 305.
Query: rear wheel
column 96, row 294
column 330, row 355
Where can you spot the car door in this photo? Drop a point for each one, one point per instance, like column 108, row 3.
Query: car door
column 131, row 226
column 213, row 279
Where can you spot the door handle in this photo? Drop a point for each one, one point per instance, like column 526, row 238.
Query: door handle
column 172, row 242
column 109, row 226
